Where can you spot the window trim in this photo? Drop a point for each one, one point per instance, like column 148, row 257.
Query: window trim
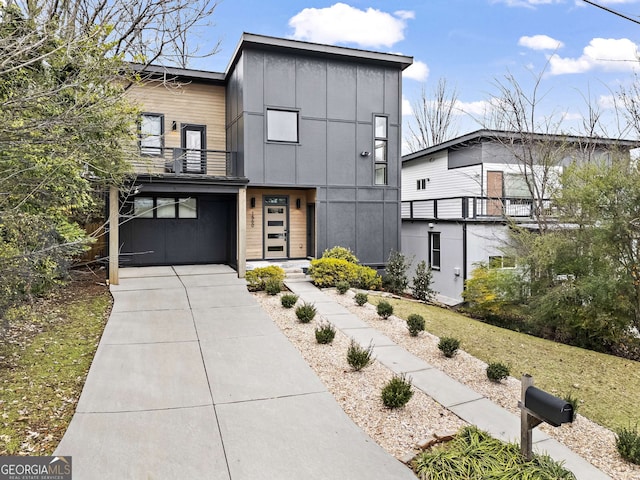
column 154, row 151
column 433, row 235
column 285, row 110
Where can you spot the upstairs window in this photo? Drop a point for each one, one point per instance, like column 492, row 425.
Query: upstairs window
column 151, row 134
column 381, row 140
column 282, row 126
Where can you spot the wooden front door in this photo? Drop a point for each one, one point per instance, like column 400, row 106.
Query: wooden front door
column 495, row 192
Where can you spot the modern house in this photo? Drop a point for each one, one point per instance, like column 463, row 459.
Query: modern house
column 295, row 148
column 459, row 197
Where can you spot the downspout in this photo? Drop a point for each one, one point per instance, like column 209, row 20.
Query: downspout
column 464, row 253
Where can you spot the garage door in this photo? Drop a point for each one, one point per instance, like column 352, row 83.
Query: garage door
column 174, row 230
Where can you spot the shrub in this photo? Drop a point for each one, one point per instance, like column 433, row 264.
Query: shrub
column 397, row 392
column 415, row 324
column 342, row 253
column 496, row 371
column 359, row 357
column 257, row 277
column 628, row 444
column 306, row 312
column 475, row 454
column 396, row 272
column 273, row 286
column 328, row 272
column 384, row 309
column 421, row 284
column 325, row 333
column 449, row 346
column 361, row 298
column 288, row 300
column 342, row 287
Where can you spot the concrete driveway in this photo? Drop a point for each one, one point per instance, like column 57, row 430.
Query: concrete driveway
column 192, row 380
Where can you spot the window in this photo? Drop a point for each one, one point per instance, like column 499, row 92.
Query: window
column 282, row 126
column 434, row 250
column 151, row 134
column 421, row 184
column 515, row 186
column 165, row 207
column 380, row 140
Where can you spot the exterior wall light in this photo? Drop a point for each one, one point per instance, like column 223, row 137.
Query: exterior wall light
column 365, row 154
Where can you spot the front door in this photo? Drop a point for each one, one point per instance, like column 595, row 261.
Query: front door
column 193, row 143
column 276, row 224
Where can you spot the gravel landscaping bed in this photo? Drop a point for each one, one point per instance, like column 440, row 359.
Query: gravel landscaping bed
column 398, row 431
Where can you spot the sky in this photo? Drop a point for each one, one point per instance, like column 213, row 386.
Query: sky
column 580, row 53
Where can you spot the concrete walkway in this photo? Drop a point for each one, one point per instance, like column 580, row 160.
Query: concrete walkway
column 456, row 397
column 192, row 380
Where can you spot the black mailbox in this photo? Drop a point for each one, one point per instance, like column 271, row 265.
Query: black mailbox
column 548, row 408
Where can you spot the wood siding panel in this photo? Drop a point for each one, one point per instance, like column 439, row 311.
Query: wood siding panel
column 189, row 103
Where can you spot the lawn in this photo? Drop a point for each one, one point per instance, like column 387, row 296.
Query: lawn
column 606, row 386
column 44, row 360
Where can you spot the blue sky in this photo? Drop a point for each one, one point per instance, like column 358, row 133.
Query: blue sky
column 585, row 52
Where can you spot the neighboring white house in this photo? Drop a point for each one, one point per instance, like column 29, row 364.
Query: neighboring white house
column 457, row 197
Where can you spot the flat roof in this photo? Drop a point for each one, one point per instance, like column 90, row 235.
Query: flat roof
column 487, row 134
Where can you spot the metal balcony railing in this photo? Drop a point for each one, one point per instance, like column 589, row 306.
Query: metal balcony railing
column 476, row 208
column 183, row 161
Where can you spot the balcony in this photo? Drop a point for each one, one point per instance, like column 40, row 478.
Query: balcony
column 489, row 208
column 182, row 161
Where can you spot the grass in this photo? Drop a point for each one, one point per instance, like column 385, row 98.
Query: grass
column 44, row 361
column 606, row 386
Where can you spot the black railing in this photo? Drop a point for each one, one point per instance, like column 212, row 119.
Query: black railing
column 184, row 161
column 476, row 207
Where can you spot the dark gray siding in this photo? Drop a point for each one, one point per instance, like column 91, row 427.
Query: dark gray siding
column 337, row 101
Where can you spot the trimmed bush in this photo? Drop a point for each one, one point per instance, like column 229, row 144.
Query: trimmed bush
column 325, row 333
column 342, row 287
column 288, row 300
column 421, row 283
column 496, row 371
column 328, row 272
column 384, row 309
column 628, row 444
column 272, row 286
column 449, row 346
column 306, row 312
column 395, row 279
column 341, row 253
column 359, row 357
column 397, row 392
column 415, row 324
column 257, row 277
column 361, row 298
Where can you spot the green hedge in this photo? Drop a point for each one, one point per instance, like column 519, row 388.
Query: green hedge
column 327, row 272
column 257, row 277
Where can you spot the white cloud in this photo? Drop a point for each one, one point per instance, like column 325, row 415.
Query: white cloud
column 476, row 109
column 406, row 106
column 540, row 42
column 603, row 53
column 417, row 71
column 342, row 23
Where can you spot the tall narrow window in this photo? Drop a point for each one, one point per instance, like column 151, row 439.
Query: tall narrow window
column 381, row 139
column 151, row 133
column 434, row 250
column 282, row 126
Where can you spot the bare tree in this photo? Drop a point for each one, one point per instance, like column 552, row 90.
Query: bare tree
column 434, row 117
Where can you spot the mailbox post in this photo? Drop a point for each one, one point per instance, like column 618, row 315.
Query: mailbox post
column 538, row 406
